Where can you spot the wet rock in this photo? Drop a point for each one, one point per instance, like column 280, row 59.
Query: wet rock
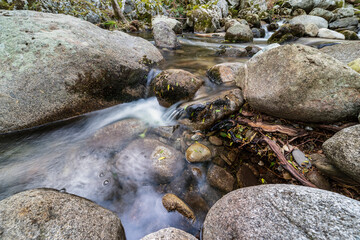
column 311, row 30
column 219, row 178
column 186, row 180
column 198, row 152
column 204, row 19
column 232, row 52
column 327, row 33
column 319, row 12
column 282, row 211
column 245, row 177
column 252, row 50
column 344, row 23
column 355, row 65
column 300, row 158
column 239, row 33
column 215, row 141
column 174, row 24
column 312, row 87
column 272, row 27
column 172, row 203
column 203, row 113
column 319, row 180
column 49, row 214
column 258, row 33
column 224, row 73
column 350, row 35
column 174, row 85
column 327, row 168
column 169, row 234
column 115, row 135
column 196, row 202
column 148, row 160
column 267, row 48
column 342, row 150
column 308, row 19
column 287, row 32
column 62, row 66
column 164, row 36
column 344, row 52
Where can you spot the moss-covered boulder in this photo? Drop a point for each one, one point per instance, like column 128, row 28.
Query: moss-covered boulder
column 286, row 33
column 204, row 19
column 239, row 33
column 174, row 85
column 54, row 66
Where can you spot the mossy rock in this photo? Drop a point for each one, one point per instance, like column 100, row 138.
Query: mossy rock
column 355, row 65
column 350, row 35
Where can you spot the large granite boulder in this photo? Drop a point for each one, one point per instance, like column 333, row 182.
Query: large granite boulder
column 204, row 19
column 342, row 150
column 55, row 66
column 49, row 214
column 174, row 24
column 300, row 83
column 345, row 52
column 282, row 212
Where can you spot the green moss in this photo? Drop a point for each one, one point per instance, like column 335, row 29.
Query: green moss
column 5, row 5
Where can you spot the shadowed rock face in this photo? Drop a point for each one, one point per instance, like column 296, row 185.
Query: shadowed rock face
column 300, row 83
column 56, row 66
column 275, row 211
column 49, row 214
column 342, row 150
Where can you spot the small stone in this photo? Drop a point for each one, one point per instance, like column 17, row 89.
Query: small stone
column 198, row 152
column 220, row 178
column 311, row 30
column 301, row 159
column 215, row 141
column 327, row 33
column 172, row 203
column 287, row 176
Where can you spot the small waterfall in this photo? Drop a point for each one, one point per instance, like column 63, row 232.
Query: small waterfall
column 152, row 74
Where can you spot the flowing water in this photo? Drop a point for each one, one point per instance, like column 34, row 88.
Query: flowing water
column 80, row 155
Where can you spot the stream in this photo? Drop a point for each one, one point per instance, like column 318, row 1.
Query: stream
column 79, row 155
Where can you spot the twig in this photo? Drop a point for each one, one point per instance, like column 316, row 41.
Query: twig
column 269, row 128
column 285, row 164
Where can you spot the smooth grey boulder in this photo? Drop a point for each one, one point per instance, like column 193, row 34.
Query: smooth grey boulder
column 174, row 24
column 300, row 83
column 327, row 33
column 345, row 23
column 342, row 150
column 239, row 33
column 164, row 36
column 169, row 234
column 308, row 19
column 55, row 66
column 49, row 214
column 345, row 52
column 307, row 5
column 282, row 212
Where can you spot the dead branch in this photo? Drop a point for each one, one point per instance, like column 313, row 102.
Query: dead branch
column 285, row 164
column 335, row 128
column 269, row 128
column 117, row 11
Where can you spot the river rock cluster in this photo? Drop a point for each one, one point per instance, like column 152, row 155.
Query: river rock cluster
column 54, row 67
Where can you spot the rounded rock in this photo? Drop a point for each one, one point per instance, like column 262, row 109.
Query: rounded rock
column 198, row 152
